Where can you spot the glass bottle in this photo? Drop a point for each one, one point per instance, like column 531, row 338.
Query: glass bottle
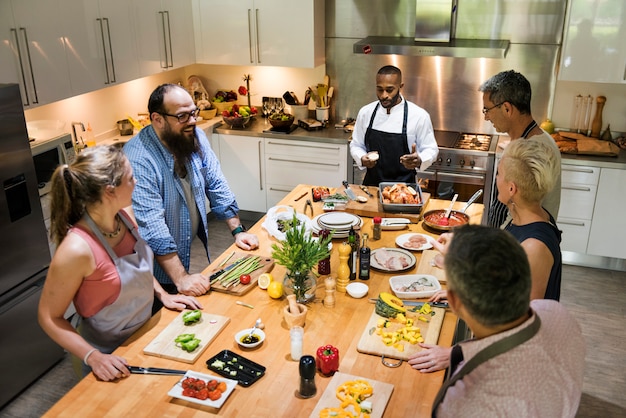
column 353, row 262
column 364, row 260
column 323, row 266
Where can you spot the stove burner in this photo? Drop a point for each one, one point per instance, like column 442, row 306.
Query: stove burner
column 476, row 142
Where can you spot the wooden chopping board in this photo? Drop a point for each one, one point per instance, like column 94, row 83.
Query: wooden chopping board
column 379, row 399
column 425, row 267
column 373, row 207
column 372, row 343
column 206, row 330
column 267, row 264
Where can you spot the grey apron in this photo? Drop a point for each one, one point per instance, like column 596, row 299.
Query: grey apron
column 390, row 148
column 113, row 324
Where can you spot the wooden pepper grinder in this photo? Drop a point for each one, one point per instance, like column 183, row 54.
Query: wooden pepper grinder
column 343, row 272
column 329, row 300
column 596, row 125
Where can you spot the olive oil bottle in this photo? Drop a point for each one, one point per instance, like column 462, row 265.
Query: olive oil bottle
column 364, row 260
column 353, row 261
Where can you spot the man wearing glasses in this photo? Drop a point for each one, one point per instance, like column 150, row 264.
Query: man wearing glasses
column 175, row 169
column 506, row 104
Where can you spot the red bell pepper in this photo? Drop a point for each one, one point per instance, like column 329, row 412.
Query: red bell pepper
column 327, row 359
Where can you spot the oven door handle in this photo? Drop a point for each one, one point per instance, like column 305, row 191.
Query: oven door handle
column 478, row 179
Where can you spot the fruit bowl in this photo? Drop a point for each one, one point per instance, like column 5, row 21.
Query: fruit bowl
column 236, row 121
column 221, row 106
column 278, row 121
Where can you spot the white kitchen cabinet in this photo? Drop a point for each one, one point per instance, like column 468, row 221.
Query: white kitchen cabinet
column 101, row 51
column 289, row 163
column 241, row 159
column 578, row 195
column 164, row 34
column 254, row 32
column 594, row 49
column 32, row 50
column 608, row 228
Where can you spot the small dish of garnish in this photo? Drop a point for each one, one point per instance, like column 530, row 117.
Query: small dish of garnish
column 247, row 340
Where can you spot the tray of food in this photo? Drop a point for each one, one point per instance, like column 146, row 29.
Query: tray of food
column 234, row 366
column 401, row 197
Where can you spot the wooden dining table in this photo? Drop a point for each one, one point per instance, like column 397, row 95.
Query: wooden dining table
column 274, row 395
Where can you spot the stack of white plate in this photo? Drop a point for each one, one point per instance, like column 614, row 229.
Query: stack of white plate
column 340, row 222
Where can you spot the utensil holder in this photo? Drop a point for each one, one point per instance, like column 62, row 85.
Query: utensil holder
column 322, row 114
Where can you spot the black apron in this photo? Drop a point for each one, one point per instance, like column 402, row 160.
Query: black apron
column 390, row 148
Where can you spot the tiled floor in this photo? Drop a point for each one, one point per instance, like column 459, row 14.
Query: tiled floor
column 596, row 297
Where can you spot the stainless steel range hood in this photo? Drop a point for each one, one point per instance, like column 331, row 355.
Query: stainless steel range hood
column 435, row 29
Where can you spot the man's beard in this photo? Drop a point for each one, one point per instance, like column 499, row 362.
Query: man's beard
column 394, row 101
column 181, row 147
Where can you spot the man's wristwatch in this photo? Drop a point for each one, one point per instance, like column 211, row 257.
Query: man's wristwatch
column 237, row 230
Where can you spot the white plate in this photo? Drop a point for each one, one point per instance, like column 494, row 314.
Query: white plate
column 392, row 252
column 394, row 224
column 338, row 220
column 404, row 241
column 177, row 390
column 426, row 285
column 339, row 232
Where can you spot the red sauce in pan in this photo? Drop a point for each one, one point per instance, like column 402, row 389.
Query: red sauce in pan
column 435, row 218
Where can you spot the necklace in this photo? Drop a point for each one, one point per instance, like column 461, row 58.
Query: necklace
column 118, row 229
column 529, row 128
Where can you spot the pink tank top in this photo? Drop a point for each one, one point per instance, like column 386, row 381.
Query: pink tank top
column 102, row 287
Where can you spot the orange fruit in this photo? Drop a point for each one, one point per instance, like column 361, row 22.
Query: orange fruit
column 264, row 280
column 275, row 290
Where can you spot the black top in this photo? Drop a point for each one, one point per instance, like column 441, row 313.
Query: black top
column 550, row 235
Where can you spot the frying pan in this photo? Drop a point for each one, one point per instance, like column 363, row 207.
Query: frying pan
column 457, row 218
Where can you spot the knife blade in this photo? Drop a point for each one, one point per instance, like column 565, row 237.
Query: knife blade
column 418, row 304
column 225, row 269
column 367, row 192
column 155, row 370
column 349, row 191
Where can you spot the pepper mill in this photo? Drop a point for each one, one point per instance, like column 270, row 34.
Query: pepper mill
column 343, row 272
column 307, row 377
column 596, row 125
column 329, row 300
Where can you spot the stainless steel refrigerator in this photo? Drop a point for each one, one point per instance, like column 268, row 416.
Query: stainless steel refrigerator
column 26, row 352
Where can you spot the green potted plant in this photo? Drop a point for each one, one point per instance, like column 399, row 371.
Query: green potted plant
column 299, row 253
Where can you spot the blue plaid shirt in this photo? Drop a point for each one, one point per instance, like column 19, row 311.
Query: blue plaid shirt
column 159, row 200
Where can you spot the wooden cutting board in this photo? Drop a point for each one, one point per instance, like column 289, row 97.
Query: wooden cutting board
column 379, row 399
column 206, row 330
column 372, row 343
column 425, row 266
column 267, row 264
column 373, row 206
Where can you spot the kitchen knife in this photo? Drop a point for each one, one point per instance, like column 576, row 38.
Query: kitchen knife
column 349, row 191
column 225, row 269
column 155, row 370
column 367, row 192
column 419, row 304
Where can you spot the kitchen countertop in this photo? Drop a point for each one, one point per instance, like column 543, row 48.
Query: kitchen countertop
column 273, row 394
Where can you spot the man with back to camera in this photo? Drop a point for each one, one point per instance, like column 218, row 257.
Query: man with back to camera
column 399, row 130
column 175, row 169
column 506, row 104
column 527, row 358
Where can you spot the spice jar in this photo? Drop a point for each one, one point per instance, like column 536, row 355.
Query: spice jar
column 376, row 228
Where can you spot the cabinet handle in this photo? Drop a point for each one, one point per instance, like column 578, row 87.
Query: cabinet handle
column 30, row 65
column 577, row 188
column 570, row 223
column 260, row 163
column 258, row 50
column 19, row 57
column 104, row 51
column 302, row 162
column 250, row 36
column 167, row 40
column 579, row 170
column 280, row 190
column 169, row 37
column 106, row 20
column 302, row 145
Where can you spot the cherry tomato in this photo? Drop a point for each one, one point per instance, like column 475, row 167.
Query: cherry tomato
column 211, row 385
column 221, row 387
column 245, row 279
column 202, row 394
column 215, row 394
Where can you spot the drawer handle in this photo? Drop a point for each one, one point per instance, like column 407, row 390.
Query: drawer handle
column 577, row 188
column 570, row 223
column 302, row 162
column 303, row 145
column 280, row 190
column 579, row 170
column 259, row 144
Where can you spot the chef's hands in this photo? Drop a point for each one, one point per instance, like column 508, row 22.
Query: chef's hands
column 247, row 241
column 411, row 161
column 179, row 302
column 443, row 243
column 196, row 284
column 108, row 367
column 431, row 358
column 367, row 162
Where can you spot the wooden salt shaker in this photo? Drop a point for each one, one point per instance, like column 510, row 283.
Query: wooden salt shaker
column 329, row 300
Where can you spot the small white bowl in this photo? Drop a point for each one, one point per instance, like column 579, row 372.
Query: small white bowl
column 244, row 332
column 357, row 290
column 425, row 285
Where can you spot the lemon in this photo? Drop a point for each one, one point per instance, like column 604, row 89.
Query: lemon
column 264, row 280
column 275, row 290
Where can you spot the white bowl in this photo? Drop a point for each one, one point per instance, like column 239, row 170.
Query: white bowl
column 427, row 286
column 357, row 290
column 244, row 332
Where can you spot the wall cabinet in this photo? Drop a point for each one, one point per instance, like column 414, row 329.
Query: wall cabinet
column 164, row 34
column 254, row 32
column 32, row 51
column 578, row 196
column 608, row 228
column 594, row 49
column 241, row 159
